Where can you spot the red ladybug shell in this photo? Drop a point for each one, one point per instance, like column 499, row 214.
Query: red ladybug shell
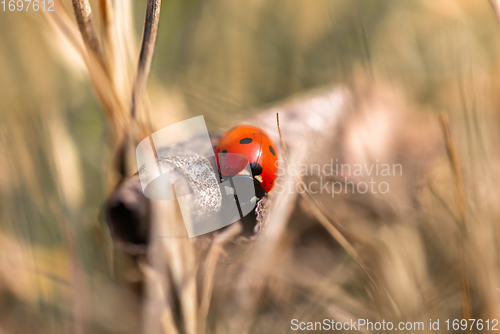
column 252, row 146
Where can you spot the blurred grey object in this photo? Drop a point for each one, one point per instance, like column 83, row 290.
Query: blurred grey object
column 128, row 209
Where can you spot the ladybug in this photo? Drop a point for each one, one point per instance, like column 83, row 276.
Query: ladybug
column 250, row 146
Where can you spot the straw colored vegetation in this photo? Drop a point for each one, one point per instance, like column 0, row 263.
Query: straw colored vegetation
column 411, row 82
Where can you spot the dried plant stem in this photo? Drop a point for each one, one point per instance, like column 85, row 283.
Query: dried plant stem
column 107, row 18
column 210, row 265
column 98, row 75
column 139, row 86
column 328, row 225
column 442, row 201
column 116, row 46
column 83, row 14
column 146, row 55
column 460, row 200
column 156, row 307
column 170, row 251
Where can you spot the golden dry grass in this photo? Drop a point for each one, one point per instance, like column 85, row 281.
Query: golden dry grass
column 427, row 249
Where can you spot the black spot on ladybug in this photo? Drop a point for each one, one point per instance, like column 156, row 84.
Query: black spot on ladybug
column 272, row 150
column 246, row 141
column 256, row 168
column 223, row 153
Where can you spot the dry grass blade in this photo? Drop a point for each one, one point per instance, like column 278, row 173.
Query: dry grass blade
column 105, row 11
column 146, row 55
column 107, row 72
column 434, row 192
column 455, row 165
column 171, row 255
column 60, row 20
column 496, row 7
column 83, row 13
column 125, row 31
column 156, row 306
column 327, row 224
column 117, row 39
column 139, row 86
column 260, row 266
column 210, row 266
column 107, row 18
column 460, row 194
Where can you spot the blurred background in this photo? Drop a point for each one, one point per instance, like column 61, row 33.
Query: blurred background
column 222, row 59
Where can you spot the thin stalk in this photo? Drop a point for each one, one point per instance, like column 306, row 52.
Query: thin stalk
column 83, row 14
column 336, row 234
column 454, row 161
